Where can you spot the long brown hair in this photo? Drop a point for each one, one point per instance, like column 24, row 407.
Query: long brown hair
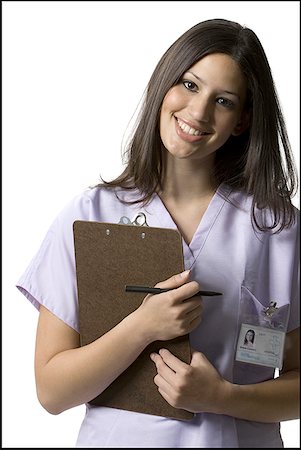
column 259, row 161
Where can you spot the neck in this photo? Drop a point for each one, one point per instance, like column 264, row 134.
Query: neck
column 188, row 179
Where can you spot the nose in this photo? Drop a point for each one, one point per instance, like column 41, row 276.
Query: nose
column 200, row 108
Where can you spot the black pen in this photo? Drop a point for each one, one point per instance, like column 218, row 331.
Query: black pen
column 154, row 290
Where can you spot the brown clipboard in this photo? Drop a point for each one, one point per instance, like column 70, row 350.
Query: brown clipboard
column 109, row 256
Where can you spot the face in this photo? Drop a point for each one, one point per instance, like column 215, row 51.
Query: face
column 249, row 336
column 199, row 114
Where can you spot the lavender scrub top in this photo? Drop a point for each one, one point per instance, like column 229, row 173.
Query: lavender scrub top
column 225, row 255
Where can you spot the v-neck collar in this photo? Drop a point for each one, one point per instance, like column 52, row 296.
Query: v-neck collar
column 158, row 215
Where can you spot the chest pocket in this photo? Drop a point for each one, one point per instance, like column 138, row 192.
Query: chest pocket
column 254, row 311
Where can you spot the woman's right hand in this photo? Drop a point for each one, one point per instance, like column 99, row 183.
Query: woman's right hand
column 174, row 313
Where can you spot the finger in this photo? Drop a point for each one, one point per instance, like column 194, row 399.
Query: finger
column 166, row 397
column 164, row 371
column 198, row 358
column 193, row 324
column 163, row 385
column 195, row 287
column 174, row 281
column 188, row 290
column 195, row 321
column 192, row 304
column 172, row 361
column 194, row 315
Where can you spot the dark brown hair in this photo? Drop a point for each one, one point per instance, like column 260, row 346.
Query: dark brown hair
column 259, row 161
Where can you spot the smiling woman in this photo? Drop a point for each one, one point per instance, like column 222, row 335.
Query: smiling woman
column 209, row 157
column 212, row 61
column 203, row 108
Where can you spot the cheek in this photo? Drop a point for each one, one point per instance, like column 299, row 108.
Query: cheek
column 172, row 100
column 166, row 111
column 170, row 105
column 227, row 126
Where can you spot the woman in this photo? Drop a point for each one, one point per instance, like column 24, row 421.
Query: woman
column 249, row 339
column 205, row 158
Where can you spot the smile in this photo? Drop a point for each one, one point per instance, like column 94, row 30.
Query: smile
column 189, row 130
column 188, row 133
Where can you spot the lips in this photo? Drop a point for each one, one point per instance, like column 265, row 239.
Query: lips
column 193, row 131
column 189, row 133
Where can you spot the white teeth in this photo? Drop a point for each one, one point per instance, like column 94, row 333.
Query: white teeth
column 189, row 130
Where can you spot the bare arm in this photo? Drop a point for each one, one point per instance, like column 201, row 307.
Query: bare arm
column 68, row 375
column 199, row 387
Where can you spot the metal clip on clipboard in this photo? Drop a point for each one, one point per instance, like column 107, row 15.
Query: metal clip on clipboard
column 139, row 220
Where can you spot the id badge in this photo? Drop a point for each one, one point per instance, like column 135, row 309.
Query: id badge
column 260, row 345
column 262, row 332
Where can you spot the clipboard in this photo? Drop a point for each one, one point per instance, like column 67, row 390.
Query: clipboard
column 109, row 256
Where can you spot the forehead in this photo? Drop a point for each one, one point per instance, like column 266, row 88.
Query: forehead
column 220, row 71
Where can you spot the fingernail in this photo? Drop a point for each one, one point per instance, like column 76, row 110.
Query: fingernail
column 185, row 273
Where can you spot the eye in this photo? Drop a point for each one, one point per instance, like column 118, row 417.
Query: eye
column 225, row 102
column 190, row 85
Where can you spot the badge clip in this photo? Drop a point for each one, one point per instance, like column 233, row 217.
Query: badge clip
column 270, row 310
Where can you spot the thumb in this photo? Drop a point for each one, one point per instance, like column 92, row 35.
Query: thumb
column 175, row 281
column 197, row 358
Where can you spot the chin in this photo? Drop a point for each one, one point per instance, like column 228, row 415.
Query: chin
column 177, row 152
column 186, row 155
column 181, row 154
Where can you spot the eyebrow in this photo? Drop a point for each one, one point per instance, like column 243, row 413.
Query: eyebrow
column 202, row 81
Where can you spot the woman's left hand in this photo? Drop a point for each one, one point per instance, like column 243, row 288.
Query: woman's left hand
column 195, row 387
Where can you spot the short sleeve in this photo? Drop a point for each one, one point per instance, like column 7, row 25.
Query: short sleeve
column 294, row 318
column 50, row 278
column 284, row 261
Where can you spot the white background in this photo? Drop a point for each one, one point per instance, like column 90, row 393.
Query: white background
column 73, row 75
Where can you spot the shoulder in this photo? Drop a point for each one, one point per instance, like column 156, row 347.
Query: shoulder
column 99, row 203
column 242, row 204
column 91, row 199
column 89, row 204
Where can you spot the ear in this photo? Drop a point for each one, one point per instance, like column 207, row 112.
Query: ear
column 243, row 123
